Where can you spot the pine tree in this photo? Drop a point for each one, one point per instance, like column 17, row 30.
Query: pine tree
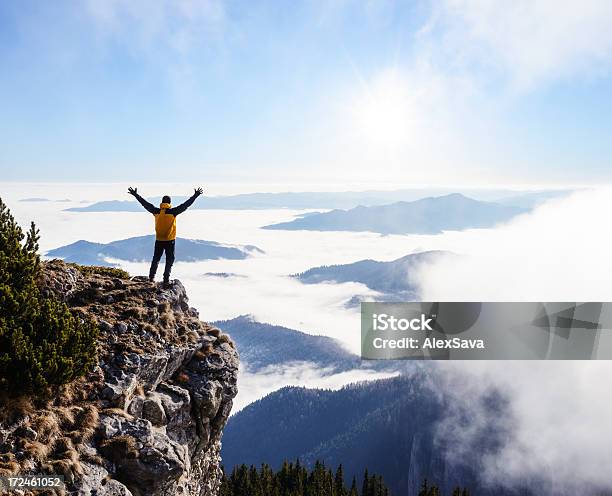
column 295, row 480
column 424, row 489
column 41, row 343
column 365, row 487
column 225, row 489
column 240, row 481
column 339, row 489
column 353, row 490
column 373, row 485
column 255, row 482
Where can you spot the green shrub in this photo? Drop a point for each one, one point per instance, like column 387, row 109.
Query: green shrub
column 41, row 343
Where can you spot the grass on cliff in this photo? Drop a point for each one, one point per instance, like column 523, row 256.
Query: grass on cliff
column 87, row 270
column 48, row 435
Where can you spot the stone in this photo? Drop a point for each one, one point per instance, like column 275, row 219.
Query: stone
column 96, row 481
column 153, row 410
column 135, row 406
column 121, row 327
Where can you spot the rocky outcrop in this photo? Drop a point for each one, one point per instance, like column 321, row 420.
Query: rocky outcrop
column 162, row 391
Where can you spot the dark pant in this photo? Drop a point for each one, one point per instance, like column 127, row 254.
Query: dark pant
column 160, row 248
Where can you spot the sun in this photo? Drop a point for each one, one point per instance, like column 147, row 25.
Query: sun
column 384, row 110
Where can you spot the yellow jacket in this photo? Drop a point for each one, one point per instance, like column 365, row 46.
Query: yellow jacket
column 165, row 224
column 165, row 216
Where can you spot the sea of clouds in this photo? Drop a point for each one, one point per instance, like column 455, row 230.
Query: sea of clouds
column 264, row 289
column 559, row 411
column 267, row 292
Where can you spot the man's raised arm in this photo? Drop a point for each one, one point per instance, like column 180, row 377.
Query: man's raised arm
column 184, row 206
column 148, row 206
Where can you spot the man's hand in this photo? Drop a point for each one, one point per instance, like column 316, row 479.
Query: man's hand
column 198, row 191
column 133, row 191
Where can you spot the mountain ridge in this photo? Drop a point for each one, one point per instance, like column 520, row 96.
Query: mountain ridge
column 314, row 199
column 140, row 249
column 393, row 279
column 389, row 426
column 262, row 345
column 431, row 215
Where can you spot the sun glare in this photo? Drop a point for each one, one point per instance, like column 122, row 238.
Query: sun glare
column 384, row 111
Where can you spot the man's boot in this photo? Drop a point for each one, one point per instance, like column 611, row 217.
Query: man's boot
column 152, row 271
column 166, row 284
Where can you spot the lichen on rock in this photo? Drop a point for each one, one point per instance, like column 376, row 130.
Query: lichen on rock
column 155, row 404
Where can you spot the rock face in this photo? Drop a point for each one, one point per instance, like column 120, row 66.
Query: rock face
column 163, row 388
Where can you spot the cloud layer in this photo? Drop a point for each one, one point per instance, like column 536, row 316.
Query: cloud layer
column 560, row 252
column 559, row 411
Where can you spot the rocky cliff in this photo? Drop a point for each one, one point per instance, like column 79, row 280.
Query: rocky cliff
column 148, row 419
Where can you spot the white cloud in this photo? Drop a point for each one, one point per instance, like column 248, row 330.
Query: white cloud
column 172, row 36
column 559, row 411
column 559, row 434
column 252, row 386
column 560, row 252
column 530, row 42
column 150, row 23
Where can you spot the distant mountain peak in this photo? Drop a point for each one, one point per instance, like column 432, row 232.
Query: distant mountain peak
column 431, row 215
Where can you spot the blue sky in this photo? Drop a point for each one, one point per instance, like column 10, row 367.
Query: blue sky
column 442, row 92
